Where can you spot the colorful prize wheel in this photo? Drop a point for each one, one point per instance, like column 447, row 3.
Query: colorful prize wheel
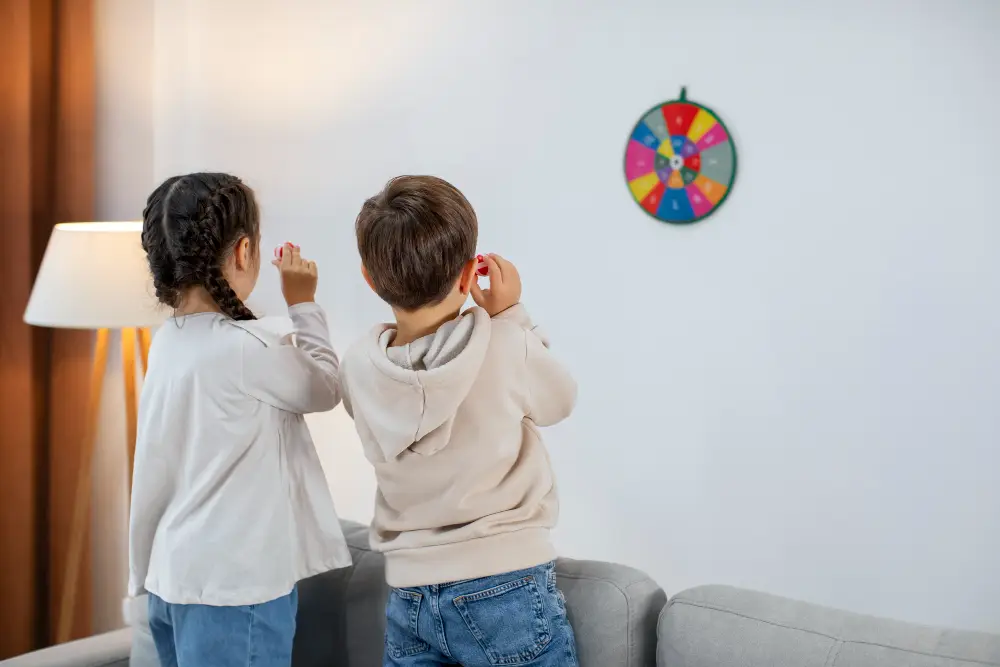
column 680, row 163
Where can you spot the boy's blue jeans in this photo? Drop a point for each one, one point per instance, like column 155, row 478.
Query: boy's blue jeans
column 518, row 618
column 196, row 635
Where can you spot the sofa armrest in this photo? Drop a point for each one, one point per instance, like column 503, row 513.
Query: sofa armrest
column 107, row 650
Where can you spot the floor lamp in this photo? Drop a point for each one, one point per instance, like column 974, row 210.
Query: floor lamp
column 94, row 276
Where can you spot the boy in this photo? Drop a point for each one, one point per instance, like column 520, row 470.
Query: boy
column 448, row 408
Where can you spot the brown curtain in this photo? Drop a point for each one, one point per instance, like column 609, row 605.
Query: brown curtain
column 47, row 126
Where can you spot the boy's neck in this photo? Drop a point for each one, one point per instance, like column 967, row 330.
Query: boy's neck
column 411, row 326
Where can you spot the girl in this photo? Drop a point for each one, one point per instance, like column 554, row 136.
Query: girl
column 230, row 507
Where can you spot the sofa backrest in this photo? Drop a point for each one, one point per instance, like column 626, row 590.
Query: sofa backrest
column 341, row 620
column 719, row 626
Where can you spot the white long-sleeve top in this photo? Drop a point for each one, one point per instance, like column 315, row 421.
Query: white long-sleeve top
column 229, row 503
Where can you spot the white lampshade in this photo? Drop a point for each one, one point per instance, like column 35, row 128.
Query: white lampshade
column 94, row 275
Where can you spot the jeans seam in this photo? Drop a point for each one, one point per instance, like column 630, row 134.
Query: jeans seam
column 253, row 615
column 439, row 622
column 414, row 615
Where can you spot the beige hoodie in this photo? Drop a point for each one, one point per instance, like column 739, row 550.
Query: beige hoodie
column 450, row 422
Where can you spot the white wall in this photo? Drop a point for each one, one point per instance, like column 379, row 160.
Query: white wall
column 798, row 395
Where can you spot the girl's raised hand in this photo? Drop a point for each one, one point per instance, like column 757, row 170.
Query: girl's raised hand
column 298, row 276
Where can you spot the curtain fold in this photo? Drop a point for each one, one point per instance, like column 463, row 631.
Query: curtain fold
column 47, row 144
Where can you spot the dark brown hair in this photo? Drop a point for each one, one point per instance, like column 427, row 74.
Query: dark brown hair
column 414, row 238
column 189, row 226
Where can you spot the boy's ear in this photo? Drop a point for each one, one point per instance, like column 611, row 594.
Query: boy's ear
column 368, row 278
column 467, row 277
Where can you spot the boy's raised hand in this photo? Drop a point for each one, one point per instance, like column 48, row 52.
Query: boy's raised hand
column 505, row 286
column 298, row 276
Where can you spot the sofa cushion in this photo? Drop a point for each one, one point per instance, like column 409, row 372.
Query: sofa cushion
column 720, row 626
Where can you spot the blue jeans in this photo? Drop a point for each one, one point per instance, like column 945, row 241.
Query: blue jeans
column 518, row 618
column 196, row 635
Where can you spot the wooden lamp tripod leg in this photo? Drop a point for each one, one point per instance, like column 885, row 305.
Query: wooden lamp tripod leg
column 131, row 400
column 131, row 395
column 144, row 341
column 81, row 507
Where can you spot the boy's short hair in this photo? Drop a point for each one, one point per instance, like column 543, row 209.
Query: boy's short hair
column 414, row 237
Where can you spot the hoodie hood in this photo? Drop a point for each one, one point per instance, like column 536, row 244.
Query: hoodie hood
column 416, row 388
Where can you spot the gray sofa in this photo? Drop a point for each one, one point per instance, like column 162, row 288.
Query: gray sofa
column 621, row 619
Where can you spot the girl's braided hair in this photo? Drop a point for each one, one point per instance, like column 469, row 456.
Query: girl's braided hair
column 189, row 226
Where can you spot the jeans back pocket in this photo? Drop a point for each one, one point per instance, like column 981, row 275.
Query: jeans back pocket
column 509, row 621
column 402, row 611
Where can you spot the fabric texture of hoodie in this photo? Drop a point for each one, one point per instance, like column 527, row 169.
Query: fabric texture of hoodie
column 451, row 424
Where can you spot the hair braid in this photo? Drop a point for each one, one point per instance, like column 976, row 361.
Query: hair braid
column 225, row 296
column 221, row 210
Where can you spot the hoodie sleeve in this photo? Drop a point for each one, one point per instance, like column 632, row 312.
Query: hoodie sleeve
column 299, row 378
column 551, row 389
